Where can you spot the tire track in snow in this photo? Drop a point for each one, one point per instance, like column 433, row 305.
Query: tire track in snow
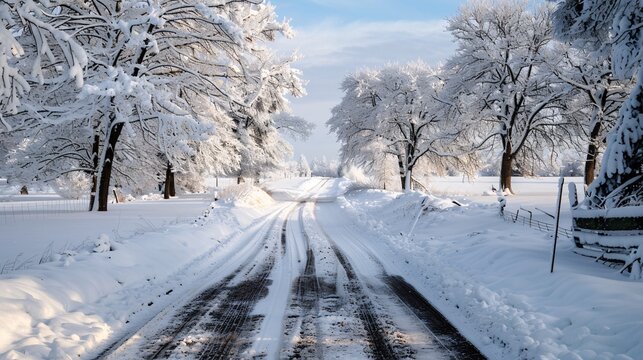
column 231, row 303
column 302, row 326
column 454, row 344
column 266, row 337
column 229, row 320
column 228, row 323
column 447, row 335
column 189, row 317
column 232, row 324
column 164, row 341
column 378, row 341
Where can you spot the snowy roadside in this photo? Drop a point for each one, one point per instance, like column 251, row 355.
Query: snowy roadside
column 492, row 280
column 67, row 307
column 43, row 224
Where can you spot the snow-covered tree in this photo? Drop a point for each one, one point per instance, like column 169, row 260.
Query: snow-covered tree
column 323, row 167
column 393, row 112
column 263, row 147
column 151, row 67
column 613, row 29
column 33, row 51
column 292, row 126
column 498, row 85
column 303, row 168
column 596, row 101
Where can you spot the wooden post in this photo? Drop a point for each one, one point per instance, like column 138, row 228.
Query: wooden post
column 561, row 181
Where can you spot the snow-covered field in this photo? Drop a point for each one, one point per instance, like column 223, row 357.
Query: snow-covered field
column 489, row 277
column 533, row 195
column 29, row 236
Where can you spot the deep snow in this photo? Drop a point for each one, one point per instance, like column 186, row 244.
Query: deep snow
column 491, row 278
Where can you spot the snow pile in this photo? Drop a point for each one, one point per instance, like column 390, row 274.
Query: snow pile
column 400, row 208
column 358, row 176
column 150, row 196
column 246, row 195
column 102, row 244
column 491, row 279
column 344, row 184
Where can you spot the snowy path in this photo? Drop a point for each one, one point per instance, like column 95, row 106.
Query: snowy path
column 303, row 285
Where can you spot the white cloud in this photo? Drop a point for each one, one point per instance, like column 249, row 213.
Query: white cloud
column 368, row 43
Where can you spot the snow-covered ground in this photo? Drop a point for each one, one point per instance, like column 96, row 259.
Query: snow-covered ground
column 80, row 297
column 492, row 278
column 533, row 195
column 489, row 277
column 29, row 235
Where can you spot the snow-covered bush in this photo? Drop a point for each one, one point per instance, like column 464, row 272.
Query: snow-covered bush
column 73, row 185
column 358, row 176
column 192, row 182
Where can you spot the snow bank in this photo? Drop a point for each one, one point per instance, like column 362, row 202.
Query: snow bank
column 491, row 278
column 246, row 195
column 65, row 308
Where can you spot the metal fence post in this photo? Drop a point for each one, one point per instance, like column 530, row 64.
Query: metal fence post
column 561, row 181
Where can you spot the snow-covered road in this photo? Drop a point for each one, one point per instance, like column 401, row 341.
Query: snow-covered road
column 304, row 284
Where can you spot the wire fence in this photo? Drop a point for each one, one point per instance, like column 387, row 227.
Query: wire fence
column 13, row 211
column 516, row 217
column 222, row 182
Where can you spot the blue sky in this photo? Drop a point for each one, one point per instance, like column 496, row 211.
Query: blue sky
column 305, row 12
column 338, row 37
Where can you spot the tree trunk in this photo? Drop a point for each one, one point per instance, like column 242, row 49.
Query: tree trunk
column 106, row 173
column 115, row 132
column 169, row 182
column 505, row 170
column 95, row 149
column 592, row 154
column 408, row 177
column 401, row 171
column 172, row 185
column 590, row 163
